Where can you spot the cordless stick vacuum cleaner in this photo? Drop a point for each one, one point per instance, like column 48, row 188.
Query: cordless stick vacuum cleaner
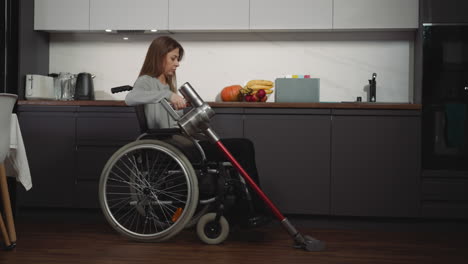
column 198, row 120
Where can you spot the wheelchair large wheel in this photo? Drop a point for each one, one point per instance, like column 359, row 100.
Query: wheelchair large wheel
column 148, row 190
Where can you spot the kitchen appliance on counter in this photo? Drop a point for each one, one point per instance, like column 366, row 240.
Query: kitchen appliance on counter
column 39, row 87
column 64, row 84
column 297, row 90
column 84, row 89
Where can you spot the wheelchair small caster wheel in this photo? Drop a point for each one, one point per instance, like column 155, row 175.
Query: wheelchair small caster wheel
column 211, row 232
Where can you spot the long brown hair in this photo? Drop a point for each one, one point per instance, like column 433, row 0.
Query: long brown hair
column 155, row 58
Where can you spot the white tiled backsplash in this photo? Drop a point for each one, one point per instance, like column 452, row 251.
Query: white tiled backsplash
column 344, row 61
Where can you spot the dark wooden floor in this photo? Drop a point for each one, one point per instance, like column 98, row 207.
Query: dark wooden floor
column 57, row 239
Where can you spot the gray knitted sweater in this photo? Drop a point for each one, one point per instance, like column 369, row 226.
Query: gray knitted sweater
column 148, row 90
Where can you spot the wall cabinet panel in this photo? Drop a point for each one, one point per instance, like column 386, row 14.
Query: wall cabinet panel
column 290, row 14
column 375, row 14
column 209, row 15
column 129, row 15
column 444, row 11
column 229, row 15
column 66, row 15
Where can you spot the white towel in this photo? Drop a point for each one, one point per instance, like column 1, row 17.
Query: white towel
column 16, row 162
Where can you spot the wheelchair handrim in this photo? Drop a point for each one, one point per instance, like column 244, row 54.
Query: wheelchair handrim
column 142, row 145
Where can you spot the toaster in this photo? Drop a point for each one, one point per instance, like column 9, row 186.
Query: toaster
column 39, row 87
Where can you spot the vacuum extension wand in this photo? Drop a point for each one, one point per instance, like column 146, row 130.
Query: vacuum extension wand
column 196, row 121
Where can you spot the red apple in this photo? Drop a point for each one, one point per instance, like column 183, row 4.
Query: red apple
column 261, row 94
column 255, row 98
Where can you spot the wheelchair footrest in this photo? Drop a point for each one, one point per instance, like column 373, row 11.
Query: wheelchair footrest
column 258, row 220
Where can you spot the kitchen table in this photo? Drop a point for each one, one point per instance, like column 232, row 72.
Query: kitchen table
column 16, row 163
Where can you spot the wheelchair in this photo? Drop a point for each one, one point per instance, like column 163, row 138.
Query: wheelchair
column 154, row 187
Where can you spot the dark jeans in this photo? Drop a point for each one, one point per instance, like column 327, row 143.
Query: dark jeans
column 243, row 151
column 241, row 148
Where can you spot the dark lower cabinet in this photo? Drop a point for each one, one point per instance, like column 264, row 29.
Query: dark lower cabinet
column 228, row 122
column 49, row 139
column 293, row 158
column 310, row 161
column 90, row 161
column 375, row 163
column 67, row 148
column 444, row 194
column 100, row 132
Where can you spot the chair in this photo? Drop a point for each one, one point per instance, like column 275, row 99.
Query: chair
column 7, row 101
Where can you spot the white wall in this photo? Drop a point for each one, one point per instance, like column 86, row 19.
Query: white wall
column 344, row 61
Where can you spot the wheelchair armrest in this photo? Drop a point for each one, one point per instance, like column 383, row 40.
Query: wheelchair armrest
column 164, row 131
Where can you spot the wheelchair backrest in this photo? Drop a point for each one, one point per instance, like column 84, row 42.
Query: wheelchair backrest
column 140, row 113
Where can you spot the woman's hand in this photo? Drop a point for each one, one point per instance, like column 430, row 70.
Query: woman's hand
column 177, row 101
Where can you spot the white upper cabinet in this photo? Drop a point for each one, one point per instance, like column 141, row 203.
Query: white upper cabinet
column 128, row 14
column 291, row 14
column 375, row 14
column 225, row 15
column 70, row 15
column 208, row 15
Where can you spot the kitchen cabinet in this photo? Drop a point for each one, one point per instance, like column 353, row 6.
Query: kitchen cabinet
column 240, row 15
column 375, row 163
column 49, row 139
column 344, row 162
column 208, row 15
column 290, row 14
column 228, row 122
column 100, row 132
column 443, row 194
column 292, row 152
column 67, row 15
column 128, row 15
column 444, row 11
column 67, row 148
column 375, row 14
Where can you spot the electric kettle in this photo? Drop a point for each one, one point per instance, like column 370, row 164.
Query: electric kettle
column 84, row 89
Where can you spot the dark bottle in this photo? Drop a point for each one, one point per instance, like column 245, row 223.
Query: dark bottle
column 372, row 89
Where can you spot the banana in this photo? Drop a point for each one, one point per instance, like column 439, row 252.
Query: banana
column 258, row 87
column 259, row 82
column 246, row 90
column 266, row 91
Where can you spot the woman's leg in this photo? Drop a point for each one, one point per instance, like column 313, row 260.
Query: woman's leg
column 241, row 148
column 244, row 152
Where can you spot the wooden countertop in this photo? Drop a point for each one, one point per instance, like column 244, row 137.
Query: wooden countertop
column 334, row 105
column 72, row 103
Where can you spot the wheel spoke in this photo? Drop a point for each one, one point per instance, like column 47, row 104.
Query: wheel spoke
column 144, row 186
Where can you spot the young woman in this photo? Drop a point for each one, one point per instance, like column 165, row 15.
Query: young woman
column 157, row 79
